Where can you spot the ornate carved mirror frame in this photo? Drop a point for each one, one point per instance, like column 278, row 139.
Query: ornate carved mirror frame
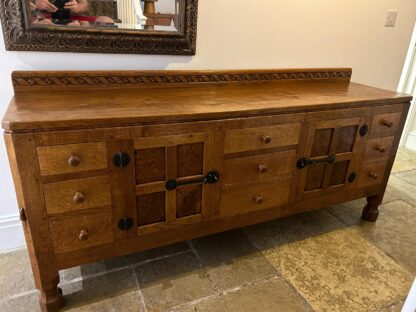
column 19, row 37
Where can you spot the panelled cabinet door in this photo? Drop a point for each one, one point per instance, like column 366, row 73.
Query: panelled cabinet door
column 332, row 157
column 169, row 178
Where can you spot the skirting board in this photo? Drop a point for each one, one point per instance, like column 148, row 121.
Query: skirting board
column 411, row 141
column 11, row 232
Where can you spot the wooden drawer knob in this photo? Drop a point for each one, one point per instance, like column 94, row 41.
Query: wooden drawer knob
column 387, row 123
column 380, row 148
column 84, row 235
column 262, row 168
column 74, row 161
column 373, row 175
column 266, row 138
column 79, row 198
column 258, row 199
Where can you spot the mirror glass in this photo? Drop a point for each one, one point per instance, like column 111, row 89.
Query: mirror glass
column 139, row 15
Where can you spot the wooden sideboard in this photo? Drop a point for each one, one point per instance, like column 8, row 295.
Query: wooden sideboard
column 110, row 163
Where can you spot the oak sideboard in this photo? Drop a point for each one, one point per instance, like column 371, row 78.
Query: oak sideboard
column 107, row 163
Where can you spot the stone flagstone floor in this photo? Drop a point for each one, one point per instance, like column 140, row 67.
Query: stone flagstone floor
column 325, row 260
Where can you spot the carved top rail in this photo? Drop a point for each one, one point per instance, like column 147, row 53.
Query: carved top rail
column 74, row 80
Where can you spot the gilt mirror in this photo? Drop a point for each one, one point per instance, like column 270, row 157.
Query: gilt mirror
column 100, row 26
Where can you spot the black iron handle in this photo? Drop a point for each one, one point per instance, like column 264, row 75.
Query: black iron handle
column 211, row 178
column 121, row 159
column 303, row 162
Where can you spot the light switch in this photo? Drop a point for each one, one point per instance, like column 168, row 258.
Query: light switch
column 391, row 18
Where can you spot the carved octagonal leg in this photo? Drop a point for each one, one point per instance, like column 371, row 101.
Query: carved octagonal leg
column 51, row 300
column 370, row 211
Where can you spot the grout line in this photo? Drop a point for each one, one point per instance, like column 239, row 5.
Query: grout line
column 98, row 274
column 279, row 273
column 201, row 265
column 6, row 251
column 161, row 258
column 139, row 290
column 406, row 180
column 236, row 289
column 88, row 276
column 26, row 293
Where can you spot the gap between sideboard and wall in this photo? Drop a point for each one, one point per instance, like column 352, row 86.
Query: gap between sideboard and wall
column 11, row 232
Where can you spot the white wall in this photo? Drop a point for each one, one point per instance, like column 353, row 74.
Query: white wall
column 253, row 34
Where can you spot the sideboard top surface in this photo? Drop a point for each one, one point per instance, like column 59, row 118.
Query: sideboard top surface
column 66, row 100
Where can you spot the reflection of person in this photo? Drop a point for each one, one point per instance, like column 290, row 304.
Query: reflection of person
column 44, row 11
column 75, row 6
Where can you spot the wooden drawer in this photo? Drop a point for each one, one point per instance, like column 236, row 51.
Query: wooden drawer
column 84, row 230
column 385, row 124
column 378, row 148
column 77, row 194
column 245, row 198
column 240, row 140
column 68, row 158
column 258, row 167
column 371, row 173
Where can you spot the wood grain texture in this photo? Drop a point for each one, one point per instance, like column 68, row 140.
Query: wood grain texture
column 36, row 228
column 55, row 159
column 248, row 168
column 343, row 141
column 241, row 198
column 186, row 102
column 32, row 80
column 65, row 232
column 60, row 196
column 385, row 124
column 247, row 139
column 378, row 148
column 371, row 173
column 122, row 186
column 252, row 132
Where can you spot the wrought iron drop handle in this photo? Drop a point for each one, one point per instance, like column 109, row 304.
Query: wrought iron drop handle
column 211, row 178
column 303, row 162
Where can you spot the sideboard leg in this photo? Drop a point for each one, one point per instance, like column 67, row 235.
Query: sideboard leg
column 51, row 300
column 370, row 211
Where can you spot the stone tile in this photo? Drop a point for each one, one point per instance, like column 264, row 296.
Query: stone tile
column 81, row 292
column 270, row 295
column 405, row 160
column 125, row 302
column 231, row 260
column 24, row 303
column 404, row 165
column 173, row 281
column 119, row 262
column 404, row 190
column 405, row 154
column 409, row 176
column 340, row 271
column 15, row 273
column 294, row 228
column 394, row 232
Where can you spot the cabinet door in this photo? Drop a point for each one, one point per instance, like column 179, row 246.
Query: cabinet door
column 169, row 175
column 332, row 155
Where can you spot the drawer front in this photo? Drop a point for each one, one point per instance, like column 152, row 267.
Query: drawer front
column 385, row 124
column 378, row 148
column 82, row 231
column 240, row 140
column 258, row 167
column 77, row 194
column 246, row 198
column 72, row 158
column 371, row 173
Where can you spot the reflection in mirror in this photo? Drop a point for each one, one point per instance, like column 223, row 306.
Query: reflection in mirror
column 150, row 15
